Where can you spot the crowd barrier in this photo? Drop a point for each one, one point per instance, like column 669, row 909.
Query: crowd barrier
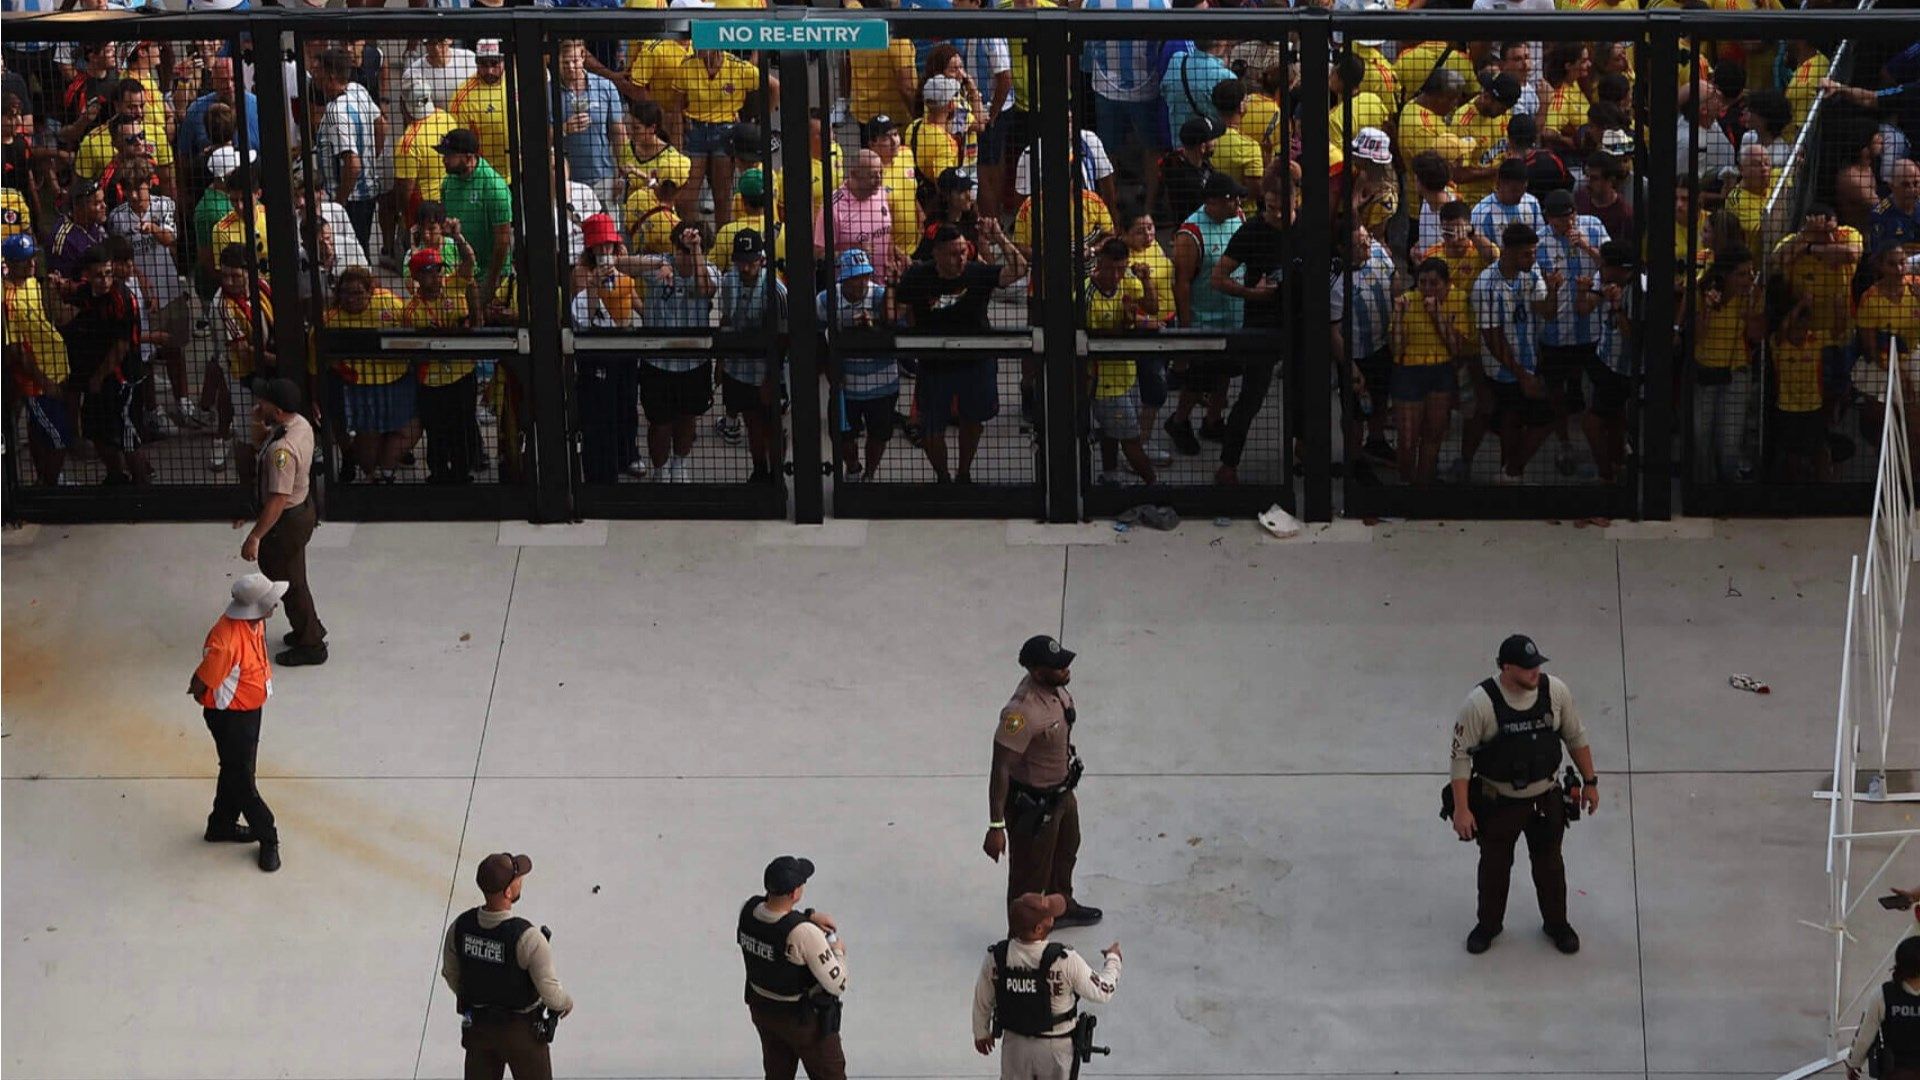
column 641, row 309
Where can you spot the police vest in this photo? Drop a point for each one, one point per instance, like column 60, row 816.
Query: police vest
column 1527, row 748
column 1023, row 997
column 764, row 946
column 1900, row 1031
column 490, row 973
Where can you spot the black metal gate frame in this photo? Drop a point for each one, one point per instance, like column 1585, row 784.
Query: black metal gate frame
column 550, row 494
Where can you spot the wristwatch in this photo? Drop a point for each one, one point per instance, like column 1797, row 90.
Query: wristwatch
column 1590, row 781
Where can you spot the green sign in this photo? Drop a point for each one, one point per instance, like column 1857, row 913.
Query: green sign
column 802, row 34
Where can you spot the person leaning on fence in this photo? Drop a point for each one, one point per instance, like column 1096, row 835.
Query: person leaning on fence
column 475, row 195
column 1256, row 253
column 1619, row 301
column 675, row 391
column 448, row 389
column 750, row 387
column 866, row 388
column 378, row 393
column 1729, row 320
column 1890, row 1026
column 1431, row 330
column 1509, row 299
column 1119, row 295
column 1821, row 260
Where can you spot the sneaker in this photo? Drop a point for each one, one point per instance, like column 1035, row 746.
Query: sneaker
column 852, row 476
column 1157, row 452
column 728, row 428
column 1181, row 432
column 679, row 471
column 1213, row 430
column 217, row 461
column 1480, row 939
column 162, row 426
column 1505, row 478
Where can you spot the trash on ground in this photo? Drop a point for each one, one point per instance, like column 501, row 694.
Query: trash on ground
column 1749, row 683
column 1281, row 524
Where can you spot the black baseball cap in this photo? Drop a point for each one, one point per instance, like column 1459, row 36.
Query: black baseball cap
column 748, row 245
column 879, row 126
column 785, row 874
column 1557, row 202
column 283, row 394
column 1044, row 651
column 1520, row 651
column 1219, row 185
column 1504, row 88
column 954, row 178
column 459, row 141
column 1197, row 130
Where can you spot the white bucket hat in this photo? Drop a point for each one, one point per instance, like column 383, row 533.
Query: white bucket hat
column 254, row 596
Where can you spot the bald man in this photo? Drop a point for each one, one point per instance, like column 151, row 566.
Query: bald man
column 861, row 217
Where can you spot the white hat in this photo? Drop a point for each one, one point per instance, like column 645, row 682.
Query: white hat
column 224, row 160
column 1617, row 142
column 941, row 90
column 255, row 595
column 1372, row 144
column 487, row 47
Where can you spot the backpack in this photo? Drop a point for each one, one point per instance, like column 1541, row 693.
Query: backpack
column 926, row 191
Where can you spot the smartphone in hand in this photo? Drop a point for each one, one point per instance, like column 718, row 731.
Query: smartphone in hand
column 1896, row 901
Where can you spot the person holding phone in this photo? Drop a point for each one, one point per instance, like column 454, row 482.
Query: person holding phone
column 1506, row 750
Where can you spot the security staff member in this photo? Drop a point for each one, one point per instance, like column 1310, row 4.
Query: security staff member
column 1029, row 990
column 1032, row 815
column 796, row 975
column 279, row 536
column 500, row 969
column 232, row 685
column 1506, row 748
column 1893, row 1016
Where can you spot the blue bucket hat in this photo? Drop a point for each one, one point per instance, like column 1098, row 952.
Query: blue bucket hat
column 853, row 263
column 20, row 247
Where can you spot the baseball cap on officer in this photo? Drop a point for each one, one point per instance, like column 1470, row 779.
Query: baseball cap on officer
column 283, row 394
column 1043, row 651
column 785, row 874
column 1027, row 911
column 1520, row 651
column 497, row 871
column 254, row 596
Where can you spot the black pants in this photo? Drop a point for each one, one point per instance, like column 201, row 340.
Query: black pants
column 1543, row 821
column 1254, row 383
column 1040, row 858
column 236, row 738
column 495, row 1045
column 790, row 1037
column 447, row 417
column 608, row 393
column 283, row 557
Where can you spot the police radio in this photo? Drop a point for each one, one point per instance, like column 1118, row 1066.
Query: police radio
column 1570, row 792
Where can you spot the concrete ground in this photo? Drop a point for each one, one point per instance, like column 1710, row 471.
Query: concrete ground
column 654, row 710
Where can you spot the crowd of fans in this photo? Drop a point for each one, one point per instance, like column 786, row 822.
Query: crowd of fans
column 1489, row 222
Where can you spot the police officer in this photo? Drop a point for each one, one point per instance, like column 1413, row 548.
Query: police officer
column 1029, row 990
column 500, row 969
column 279, row 536
column 1506, row 748
column 1893, row 1017
column 796, row 974
column 1032, row 815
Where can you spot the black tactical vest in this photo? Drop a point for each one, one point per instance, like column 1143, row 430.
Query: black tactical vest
column 764, row 946
column 1527, row 748
column 490, row 972
column 1900, row 1031
column 1023, row 997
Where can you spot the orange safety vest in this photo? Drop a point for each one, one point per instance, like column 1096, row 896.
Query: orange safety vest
column 234, row 666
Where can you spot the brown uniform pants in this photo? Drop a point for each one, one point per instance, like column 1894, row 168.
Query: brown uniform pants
column 1040, row 857
column 283, row 557
column 790, row 1037
column 1543, row 820
column 494, row 1046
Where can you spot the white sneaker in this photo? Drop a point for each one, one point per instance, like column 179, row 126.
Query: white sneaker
column 639, row 468
column 217, row 461
column 1121, row 478
column 162, row 426
column 1158, row 453
column 1505, row 478
column 679, row 471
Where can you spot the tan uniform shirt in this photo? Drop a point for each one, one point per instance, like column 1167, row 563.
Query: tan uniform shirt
column 1477, row 726
column 1034, row 726
column 807, row 944
column 1071, row 977
column 533, row 952
column 286, row 462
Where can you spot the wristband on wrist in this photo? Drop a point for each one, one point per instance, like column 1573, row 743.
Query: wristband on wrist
column 996, row 824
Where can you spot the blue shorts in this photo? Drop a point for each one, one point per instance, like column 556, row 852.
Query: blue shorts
column 1147, row 119
column 48, row 424
column 379, row 410
column 968, row 390
column 706, row 140
column 872, row 417
column 1151, row 371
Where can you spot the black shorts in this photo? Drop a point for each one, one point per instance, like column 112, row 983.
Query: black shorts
column 1509, row 399
column 741, row 398
column 106, row 416
column 1413, row 384
column 1561, row 367
column 1803, row 434
column 1377, row 368
column 666, row 396
column 872, row 417
column 1209, row 375
column 1611, row 390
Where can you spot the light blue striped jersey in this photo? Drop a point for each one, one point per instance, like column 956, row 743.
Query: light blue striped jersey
column 866, row 377
column 676, row 304
column 1505, row 304
column 1124, row 70
column 1568, row 326
column 1372, row 290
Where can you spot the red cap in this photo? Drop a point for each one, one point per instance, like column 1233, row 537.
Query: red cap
column 600, row 229
column 1029, row 910
column 422, row 259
